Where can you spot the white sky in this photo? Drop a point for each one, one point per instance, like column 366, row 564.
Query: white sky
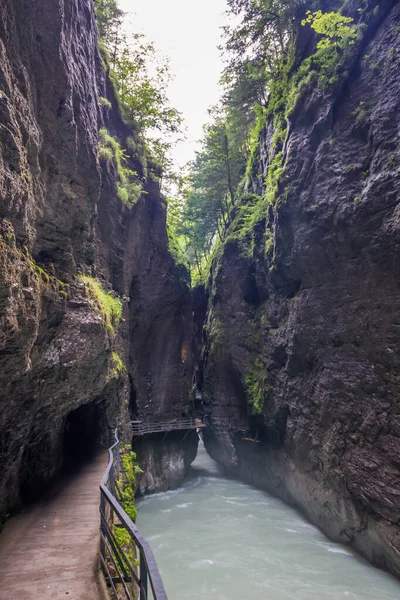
column 188, row 32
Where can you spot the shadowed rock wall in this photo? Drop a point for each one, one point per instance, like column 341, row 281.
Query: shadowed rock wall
column 310, row 327
column 60, row 215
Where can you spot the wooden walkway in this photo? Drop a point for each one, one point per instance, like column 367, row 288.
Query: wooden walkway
column 142, row 428
column 50, row 552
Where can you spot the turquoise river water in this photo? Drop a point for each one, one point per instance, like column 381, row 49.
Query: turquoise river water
column 219, row 539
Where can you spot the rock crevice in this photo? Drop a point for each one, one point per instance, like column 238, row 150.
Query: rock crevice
column 60, row 217
column 301, row 366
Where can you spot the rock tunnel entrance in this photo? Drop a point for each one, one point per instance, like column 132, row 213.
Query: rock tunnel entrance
column 82, row 432
column 55, row 444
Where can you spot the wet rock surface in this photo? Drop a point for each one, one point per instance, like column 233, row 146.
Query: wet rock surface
column 313, row 324
column 60, row 216
column 165, row 460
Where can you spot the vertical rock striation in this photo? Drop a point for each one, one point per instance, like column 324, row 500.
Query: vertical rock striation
column 301, row 366
column 60, row 216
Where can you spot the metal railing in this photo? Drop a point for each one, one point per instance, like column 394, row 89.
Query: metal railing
column 140, row 428
column 127, row 560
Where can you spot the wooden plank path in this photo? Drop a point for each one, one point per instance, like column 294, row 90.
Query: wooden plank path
column 51, row 551
column 141, row 427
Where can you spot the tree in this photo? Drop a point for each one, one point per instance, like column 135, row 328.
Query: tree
column 262, row 35
column 243, row 90
column 200, row 213
column 143, row 96
column 140, row 79
column 109, row 20
column 334, row 27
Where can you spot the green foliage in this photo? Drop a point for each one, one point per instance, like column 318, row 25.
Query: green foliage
column 360, row 113
column 334, row 27
column 126, row 485
column 144, row 97
column 255, row 386
column 126, row 482
column 109, row 19
column 41, row 273
column 250, row 211
column 104, row 102
column 177, row 251
column 140, row 78
column 259, row 56
column 129, row 464
column 263, row 82
column 254, row 137
column 198, row 215
column 128, row 186
column 326, row 65
column 274, row 172
column 124, row 540
column 218, row 336
column 260, row 39
column 119, row 365
column 109, row 305
column 269, row 243
column 324, row 68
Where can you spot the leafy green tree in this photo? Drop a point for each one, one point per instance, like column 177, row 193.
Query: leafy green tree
column 334, row 27
column 109, row 20
column 263, row 33
column 140, row 80
column 218, row 167
column 144, row 96
column 242, row 92
column 199, row 215
column 261, row 80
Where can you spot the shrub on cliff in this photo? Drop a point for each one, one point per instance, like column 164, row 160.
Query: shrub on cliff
column 109, row 305
column 140, row 78
column 128, row 185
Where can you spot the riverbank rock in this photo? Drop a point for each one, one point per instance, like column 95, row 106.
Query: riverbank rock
column 301, row 364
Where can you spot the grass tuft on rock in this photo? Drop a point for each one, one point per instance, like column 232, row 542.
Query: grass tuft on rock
column 255, row 387
column 110, row 150
column 109, row 305
column 119, row 365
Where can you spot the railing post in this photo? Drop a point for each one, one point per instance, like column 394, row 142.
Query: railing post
column 143, row 578
column 102, row 528
column 118, row 454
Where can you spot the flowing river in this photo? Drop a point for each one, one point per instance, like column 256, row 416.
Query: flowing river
column 219, row 539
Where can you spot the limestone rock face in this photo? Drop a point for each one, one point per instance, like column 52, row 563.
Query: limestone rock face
column 302, row 367
column 60, row 216
column 164, row 460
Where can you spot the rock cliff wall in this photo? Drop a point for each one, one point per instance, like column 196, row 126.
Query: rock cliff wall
column 301, row 365
column 62, row 390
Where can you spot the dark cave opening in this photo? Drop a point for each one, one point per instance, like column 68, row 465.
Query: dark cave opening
column 82, row 433
column 58, row 448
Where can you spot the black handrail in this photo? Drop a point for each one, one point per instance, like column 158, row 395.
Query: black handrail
column 140, row 427
column 125, row 573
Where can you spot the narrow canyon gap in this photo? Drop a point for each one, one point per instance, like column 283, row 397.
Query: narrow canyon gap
column 291, row 344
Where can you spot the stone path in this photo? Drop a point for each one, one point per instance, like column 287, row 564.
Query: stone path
column 50, row 552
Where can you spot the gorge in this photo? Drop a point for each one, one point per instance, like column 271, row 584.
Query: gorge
column 290, row 342
column 260, row 546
